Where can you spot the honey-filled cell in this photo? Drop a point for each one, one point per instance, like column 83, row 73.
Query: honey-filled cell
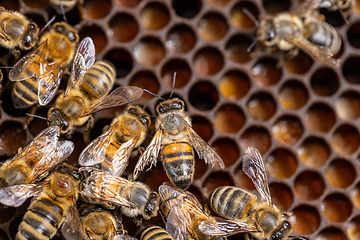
column 13, row 5
column 208, row 61
column 347, row 106
column 12, row 137
column 203, row 127
column 273, row 7
column 281, row 163
column 180, row 39
column 287, row 130
column 212, row 26
column 314, row 152
column 353, row 228
column 351, row 70
column 234, row 85
column 309, row 185
column 355, row 196
column 239, row 19
column 187, row 8
column 123, row 27
column 293, row 95
column 229, row 118
column 315, row 115
column 281, row 195
column 336, row 207
column 146, row 80
column 122, row 61
column 331, row 233
column 305, row 220
column 128, row 3
column 203, row 95
column 340, row 173
column 300, row 64
column 215, row 180
column 257, row 137
column 217, row 3
column 242, row 180
column 178, row 67
column 97, row 35
column 96, row 9
column 324, row 82
column 227, row 150
column 237, row 48
column 154, row 16
column 149, row 51
column 353, row 34
column 261, row 106
column 265, row 72
column 345, row 140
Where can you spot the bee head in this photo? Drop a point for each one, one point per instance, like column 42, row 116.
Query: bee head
column 152, row 206
column 31, row 37
column 266, row 31
column 65, row 29
column 174, row 104
column 56, row 119
column 141, row 114
column 283, row 232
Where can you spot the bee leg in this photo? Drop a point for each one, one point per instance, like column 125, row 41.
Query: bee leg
column 248, row 236
column 206, row 209
column 137, row 151
column 89, row 126
column 138, row 220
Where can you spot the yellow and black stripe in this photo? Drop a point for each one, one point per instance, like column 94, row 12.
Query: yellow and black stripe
column 155, row 233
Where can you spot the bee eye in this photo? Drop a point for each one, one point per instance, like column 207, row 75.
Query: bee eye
column 177, row 105
column 32, row 26
column 72, row 36
column 144, row 120
column 161, row 109
column 269, row 35
column 59, row 29
column 132, row 110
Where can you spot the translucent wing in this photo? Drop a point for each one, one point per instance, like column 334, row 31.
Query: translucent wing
column 177, row 222
column 83, row 60
column 120, row 96
column 204, row 150
column 149, row 156
column 306, row 7
column 254, row 168
column 123, row 237
column 72, row 228
column 16, row 195
column 49, row 82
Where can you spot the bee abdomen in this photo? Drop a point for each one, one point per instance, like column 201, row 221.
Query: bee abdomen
column 24, row 93
column 178, row 162
column 155, row 233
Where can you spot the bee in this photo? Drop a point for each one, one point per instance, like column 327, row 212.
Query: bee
column 112, row 149
column 43, row 153
column 186, row 218
column 155, row 233
column 135, row 198
column 174, row 140
column 37, row 75
column 66, row 4
column 17, row 30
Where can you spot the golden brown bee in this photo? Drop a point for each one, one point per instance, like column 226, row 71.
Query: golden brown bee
column 37, row 75
column 174, row 140
column 66, row 4
column 111, row 150
column 187, row 220
column 43, row 153
column 17, row 30
column 155, row 233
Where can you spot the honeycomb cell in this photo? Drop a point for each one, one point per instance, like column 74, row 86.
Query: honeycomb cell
column 353, row 35
column 39, row 4
column 229, row 118
column 123, row 28
column 208, row 61
column 287, row 130
column 300, row 64
column 155, row 177
column 6, row 213
column 281, row 195
column 200, row 168
column 345, row 139
column 227, row 150
column 340, row 173
column 273, row 7
column 215, row 180
column 96, row 9
column 261, row 106
column 122, row 61
column 265, row 72
column 128, row 3
column 154, row 16
column 305, row 220
column 182, row 70
column 239, row 19
column 314, row 152
column 203, row 95
column 37, row 124
column 180, row 39
column 13, row 5
column 196, row 192
column 324, row 82
column 187, row 8
column 212, row 27
column 149, row 52
column 351, row 70
column 315, row 115
column 236, row 48
column 281, row 163
column 331, row 233
column 146, row 80
column 256, row 136
column 203, row 127
column 355, row 196
column 336, row 207
column 97, row 35
column 347, row 106
column 293, row 95
column 234, row 85
column 217, row 3
column 309, row 185
column 12, row 136
column 353, row 228
column 242, row 180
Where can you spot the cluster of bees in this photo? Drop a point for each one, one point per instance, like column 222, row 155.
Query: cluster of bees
column 86, row 201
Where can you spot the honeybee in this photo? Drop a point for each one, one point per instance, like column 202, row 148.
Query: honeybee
column 175, row 140
column 187, row 220
column 17, row 30
column 43, row 153
column 155, row 233
column 112, row 149
column 331, row 5
column 66, row 4
column 246, row 208
column 135, row 198
column 37, row 75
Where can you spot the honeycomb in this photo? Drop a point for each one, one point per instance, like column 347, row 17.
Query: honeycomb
column 303, row 117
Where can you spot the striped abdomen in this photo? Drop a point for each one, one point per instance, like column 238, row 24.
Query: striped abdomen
column 231, row 202
column 106, row 165
column 155, row 233
column 178, row 162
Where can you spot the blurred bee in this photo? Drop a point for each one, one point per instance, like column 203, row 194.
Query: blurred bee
column 246, row 208
column 344, row 6
column 67, row 5
column 135, row 198
column 111, row 150
column 174, row 140
column 37, row 75
column 155, row 233
column 16, row 30
column 43, row 153
column 187, row 220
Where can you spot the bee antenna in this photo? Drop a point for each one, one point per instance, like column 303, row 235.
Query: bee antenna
column 32, row 115
column 7, row 67
column 251, row 16
column 47, row 24
column 252, row 44
column 344, row 17
column 62, row 11
column 298, row 237
column 145, row 90
column 173, row 86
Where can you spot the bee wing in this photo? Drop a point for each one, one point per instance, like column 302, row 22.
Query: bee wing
column 177, row 220
column 120, row 96
column 254, row 168
column 203, row 149
column 14, row 196
column 83, row 60
column 72, row 228
column 149, row 156
column 49, row 82
column 123, row 237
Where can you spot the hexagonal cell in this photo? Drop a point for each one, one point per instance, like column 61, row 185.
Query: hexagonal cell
column 257, row 137
column 315, row 116
column 351, row 70
column 300, row 64
column 122, row 61
column 239, row 19
column 96, row 9
column 39, row 4
column 324, row 82
column 331, row 233
column 314, row 152
column 128, row 3
column 281, row 163
column 305, row 220
column 336, row 207
column 355, row 195
column 261, row 106
column 353, row 228
column 7, row 103
column 208, row 61
column 336, row 18
column 287, row 130
column 203, row 127
column 146, row 80
column 340, row 173
column 265, row 72
column 154, row 16
column 3, row 235
column 242, row 180
column 236, row 48
column 212, row 26
column 234, row 85
column 309, row 185
column 293, row 95
column 345, row 140
column 229, row 118
column 182, row 70
column 273, row 7
column 155, row 177
column 353, row 35
column 217, row 3
column 123, row 27
column 187, row 8
column 13, row 136
column 281, row 195
column 97, row 35
column 215, row 180
column 227, row 150
column 180, row 39
column 149, row 51
column 203, row 95
column 13, row 5
column 347, row 106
